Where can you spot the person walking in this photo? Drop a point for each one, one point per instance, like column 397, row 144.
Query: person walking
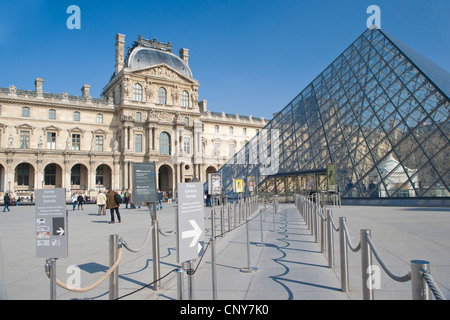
column 74, row 201
column 80, row 201
column 160, row 198
column 7, row 201
column 101, row 203
column 112, row 203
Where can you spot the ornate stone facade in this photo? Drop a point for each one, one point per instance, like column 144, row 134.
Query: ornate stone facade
column 149, row 111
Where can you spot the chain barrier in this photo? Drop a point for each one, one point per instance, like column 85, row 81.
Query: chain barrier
column 309, row 210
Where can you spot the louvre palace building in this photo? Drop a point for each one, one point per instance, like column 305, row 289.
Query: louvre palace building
column 148, row 112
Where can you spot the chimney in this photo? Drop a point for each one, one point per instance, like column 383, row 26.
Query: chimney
column 85, row 91
column 203, row 105
column 184, row 55
column 120, row 51
column 38, row 83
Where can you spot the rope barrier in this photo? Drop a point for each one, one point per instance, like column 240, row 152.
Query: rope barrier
column 96, row 284
column 407, row 277
column 349, row 241
column 432, row 285
column 404, row 278
column 147, row 237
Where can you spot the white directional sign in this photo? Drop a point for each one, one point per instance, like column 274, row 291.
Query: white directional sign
column 190, row 221
column 51, row 223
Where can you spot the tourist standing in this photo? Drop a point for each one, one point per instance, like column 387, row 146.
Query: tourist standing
column 113, row 203
column 101, row 202
column 74, row 201
column 80, row 201
column 160, row 198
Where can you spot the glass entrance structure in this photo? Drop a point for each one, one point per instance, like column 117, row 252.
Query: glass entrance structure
column 373, row 124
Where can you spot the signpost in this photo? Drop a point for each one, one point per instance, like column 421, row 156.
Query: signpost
column 190, row 227
column 190, row 221
column 51, row 230
column 144, row 192
column 51, row 223
column 144, row 183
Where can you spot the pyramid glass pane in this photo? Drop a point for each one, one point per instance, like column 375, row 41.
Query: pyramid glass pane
column 379, row 114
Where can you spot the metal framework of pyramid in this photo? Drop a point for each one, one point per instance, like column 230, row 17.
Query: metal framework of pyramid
column 373, row 124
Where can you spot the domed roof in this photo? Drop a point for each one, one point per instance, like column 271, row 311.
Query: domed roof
column 142, row 57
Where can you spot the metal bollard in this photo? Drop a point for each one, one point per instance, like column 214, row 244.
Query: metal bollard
column 343, row 255
column 180, row 282
column 248, row 269
column 114, row 277
column 420, row 289
column 188, row 266
column 366, row 266
column 261, row 244
column 155, row 250
column 330, row 239
column 213, row 254
column 323, row 223
column 222, row 222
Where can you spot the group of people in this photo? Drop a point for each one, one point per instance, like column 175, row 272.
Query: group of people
column 8, row 201
column 110, row 200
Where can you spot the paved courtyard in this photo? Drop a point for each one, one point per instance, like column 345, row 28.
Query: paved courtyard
column 290, row 265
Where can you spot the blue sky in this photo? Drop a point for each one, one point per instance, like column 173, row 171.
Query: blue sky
column 250, row 57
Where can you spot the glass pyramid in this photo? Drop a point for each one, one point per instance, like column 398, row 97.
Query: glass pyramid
column 373, row 124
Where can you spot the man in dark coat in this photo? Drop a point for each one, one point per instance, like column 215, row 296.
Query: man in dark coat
column 7, row 201
column 113, row 203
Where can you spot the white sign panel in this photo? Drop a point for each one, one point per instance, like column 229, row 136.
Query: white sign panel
column 190, row 221
column 51, row 223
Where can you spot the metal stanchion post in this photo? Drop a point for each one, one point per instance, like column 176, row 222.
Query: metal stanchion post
column 420, row 289
column 155, row 247
column 343, row 254
column 50, row 265
column 180, row 283
column 187, row 265
column 323, row 234
column 273, row 217
column 261, row 244
column 330, row 239
column 366, row 266
column 248, row 269
column 213, row 253
column 114, row 277
column 222, row 222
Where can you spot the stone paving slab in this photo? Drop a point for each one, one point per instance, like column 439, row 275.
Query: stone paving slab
column 290, row 265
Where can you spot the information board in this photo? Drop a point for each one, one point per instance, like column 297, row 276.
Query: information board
column 214, row 184
column 190, row 221
column 51, row 223
column 144, row 183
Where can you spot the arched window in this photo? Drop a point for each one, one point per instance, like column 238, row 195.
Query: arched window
column 138, row 117
column 164, row 143
column 76, row 116
column 137, row 92
column 52, row 114
column 99, row 118
column 50, row 175
column 162, row 96
column 230, row 130
column 185, row 99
